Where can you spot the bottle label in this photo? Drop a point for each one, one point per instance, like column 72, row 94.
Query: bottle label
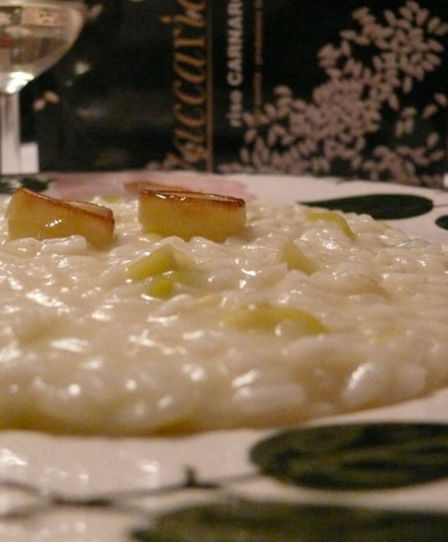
column 255, row 86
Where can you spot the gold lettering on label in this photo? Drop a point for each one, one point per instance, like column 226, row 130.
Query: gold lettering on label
column 187, row 61
column 188, row 4
column 187, row 119
column 189, row 83
column 199, row 139
column 190, row 99
column 189, row 42
column 196, row 22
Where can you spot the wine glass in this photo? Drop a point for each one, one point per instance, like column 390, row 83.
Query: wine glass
column 34, row 35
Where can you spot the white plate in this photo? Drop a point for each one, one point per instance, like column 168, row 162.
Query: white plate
column 42, row 475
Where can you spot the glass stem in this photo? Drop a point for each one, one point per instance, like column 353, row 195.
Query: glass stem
column 10, row 160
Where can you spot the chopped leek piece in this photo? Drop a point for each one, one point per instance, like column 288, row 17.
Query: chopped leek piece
column 295, row 258
column 267, row 317
column 330, row 216
column 162, row 286
column 159, row 261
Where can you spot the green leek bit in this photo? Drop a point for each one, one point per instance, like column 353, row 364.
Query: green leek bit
column 331, row 217
column 267, row 317
column 295, row 258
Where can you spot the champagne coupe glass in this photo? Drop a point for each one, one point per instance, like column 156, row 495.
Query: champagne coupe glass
column 34, row 35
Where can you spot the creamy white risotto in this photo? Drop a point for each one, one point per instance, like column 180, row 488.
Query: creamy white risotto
column 298, row 317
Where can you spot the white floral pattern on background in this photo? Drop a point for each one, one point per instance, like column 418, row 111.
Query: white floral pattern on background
column 370, row 73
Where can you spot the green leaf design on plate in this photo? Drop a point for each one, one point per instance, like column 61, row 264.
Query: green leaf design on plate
column 379, row 206
column 442, row 222
column 243, row 521
column 356, row 456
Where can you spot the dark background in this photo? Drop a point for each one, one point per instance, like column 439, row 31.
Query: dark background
column 118, row 113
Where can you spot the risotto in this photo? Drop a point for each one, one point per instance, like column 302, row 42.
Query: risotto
column 304, row 314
